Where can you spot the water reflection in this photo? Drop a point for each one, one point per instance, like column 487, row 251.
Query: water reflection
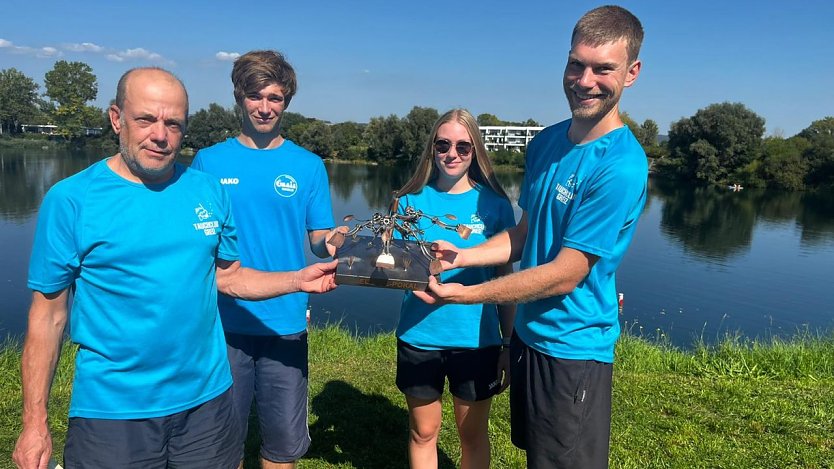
column 718, row 224
column 711, row 223
column 26, row 175
column 816, row 218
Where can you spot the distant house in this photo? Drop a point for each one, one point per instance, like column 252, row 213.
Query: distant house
column 50, row 129
column 512, row 138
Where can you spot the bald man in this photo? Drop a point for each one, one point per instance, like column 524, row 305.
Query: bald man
column 144, row 244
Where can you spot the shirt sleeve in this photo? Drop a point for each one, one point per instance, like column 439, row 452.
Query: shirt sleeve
column 319, row 207
column 55, row 259
column 197, row 162
column 608, row 206
column 507, row 217
column 227, row 248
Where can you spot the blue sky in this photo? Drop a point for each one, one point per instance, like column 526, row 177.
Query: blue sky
column 357, row 60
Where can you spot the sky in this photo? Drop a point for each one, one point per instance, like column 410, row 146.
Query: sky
column 361, row 59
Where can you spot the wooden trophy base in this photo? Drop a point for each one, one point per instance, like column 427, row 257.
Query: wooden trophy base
column 362, row 262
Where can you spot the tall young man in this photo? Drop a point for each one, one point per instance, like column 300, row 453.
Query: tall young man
column 584, row 189
column 280, row 198
column 145, row 244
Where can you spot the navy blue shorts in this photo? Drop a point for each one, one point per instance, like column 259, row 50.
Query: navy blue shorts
column 201, row 437
column 472, row 373
column 273, row 371
column 560, row 410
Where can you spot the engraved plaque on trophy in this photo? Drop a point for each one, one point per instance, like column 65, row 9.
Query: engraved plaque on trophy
column 380, row 260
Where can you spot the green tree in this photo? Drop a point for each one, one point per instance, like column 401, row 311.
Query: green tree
column 647, row 135
column 629, row 122
column 71, row 85
column 18, row 99
column 417, row 126
column 384, row 137
column 348, row 143
column 820, row 152
column 316, row 137
column 489, row 119
column 289, row 120
column 783, row 165
column 209, row 126
column 530, row 123
column 717, row 142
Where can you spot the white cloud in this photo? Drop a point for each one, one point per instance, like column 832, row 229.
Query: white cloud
column 138, row 54
column 227, row 56
column 83, row 47
column 45, row 52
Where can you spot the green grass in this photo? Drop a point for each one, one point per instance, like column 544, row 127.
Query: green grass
column 740, row 404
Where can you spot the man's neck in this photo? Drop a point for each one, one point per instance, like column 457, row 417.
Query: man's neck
column 261, row 141
column 583, row 131
column 117, row 164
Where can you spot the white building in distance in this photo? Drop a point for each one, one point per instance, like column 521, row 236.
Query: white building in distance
column 508, row 137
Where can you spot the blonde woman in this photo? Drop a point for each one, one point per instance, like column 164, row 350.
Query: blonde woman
column 466, row 344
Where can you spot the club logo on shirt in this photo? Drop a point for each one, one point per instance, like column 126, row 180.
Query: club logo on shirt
column 475, row 224
column 285, row 185
column 209, row 228
column 565, row 193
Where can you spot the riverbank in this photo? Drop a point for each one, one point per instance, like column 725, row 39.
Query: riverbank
column 737, row 405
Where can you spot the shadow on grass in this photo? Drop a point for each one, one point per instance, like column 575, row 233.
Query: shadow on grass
column 366, row 431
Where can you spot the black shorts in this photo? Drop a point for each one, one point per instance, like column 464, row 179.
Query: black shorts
column 560, row 410
column 472, row 373
column 198, row 438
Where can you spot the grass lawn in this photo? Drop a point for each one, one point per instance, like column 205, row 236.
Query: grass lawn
column 740, row 404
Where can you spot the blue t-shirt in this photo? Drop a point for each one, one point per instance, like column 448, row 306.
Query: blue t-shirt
column 278, row 195
column 586, row 197
column 454, row 326
column 144, row 312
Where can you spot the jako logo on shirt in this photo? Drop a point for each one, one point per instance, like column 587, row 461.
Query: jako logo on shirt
column 229, row 181
column 285, row 185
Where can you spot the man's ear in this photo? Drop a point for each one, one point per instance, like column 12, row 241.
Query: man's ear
column 114, row 112
column 633, row 72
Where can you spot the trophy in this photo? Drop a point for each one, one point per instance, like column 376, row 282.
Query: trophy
column 380, row 260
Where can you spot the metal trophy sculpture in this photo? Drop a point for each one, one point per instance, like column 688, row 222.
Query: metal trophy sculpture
column 381, row 260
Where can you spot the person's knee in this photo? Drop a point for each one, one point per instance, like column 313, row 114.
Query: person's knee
column 424, row 433
column 473, row 438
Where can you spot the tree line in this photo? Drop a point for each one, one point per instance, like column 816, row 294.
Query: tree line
column 69, row 87
column 721, row 144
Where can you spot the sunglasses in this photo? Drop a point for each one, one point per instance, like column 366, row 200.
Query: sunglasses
column 443, row 146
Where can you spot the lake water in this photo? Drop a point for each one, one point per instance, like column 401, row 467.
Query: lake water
column 703, row 263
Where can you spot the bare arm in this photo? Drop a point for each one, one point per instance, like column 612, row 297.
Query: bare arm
column 506, row 317
column 250, row 284
column 319, row 241
column 503, row 248
column 506, row 311
column 557, row 277
column 47, row 319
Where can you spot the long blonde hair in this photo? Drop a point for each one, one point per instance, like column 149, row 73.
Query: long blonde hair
column 480, row 171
